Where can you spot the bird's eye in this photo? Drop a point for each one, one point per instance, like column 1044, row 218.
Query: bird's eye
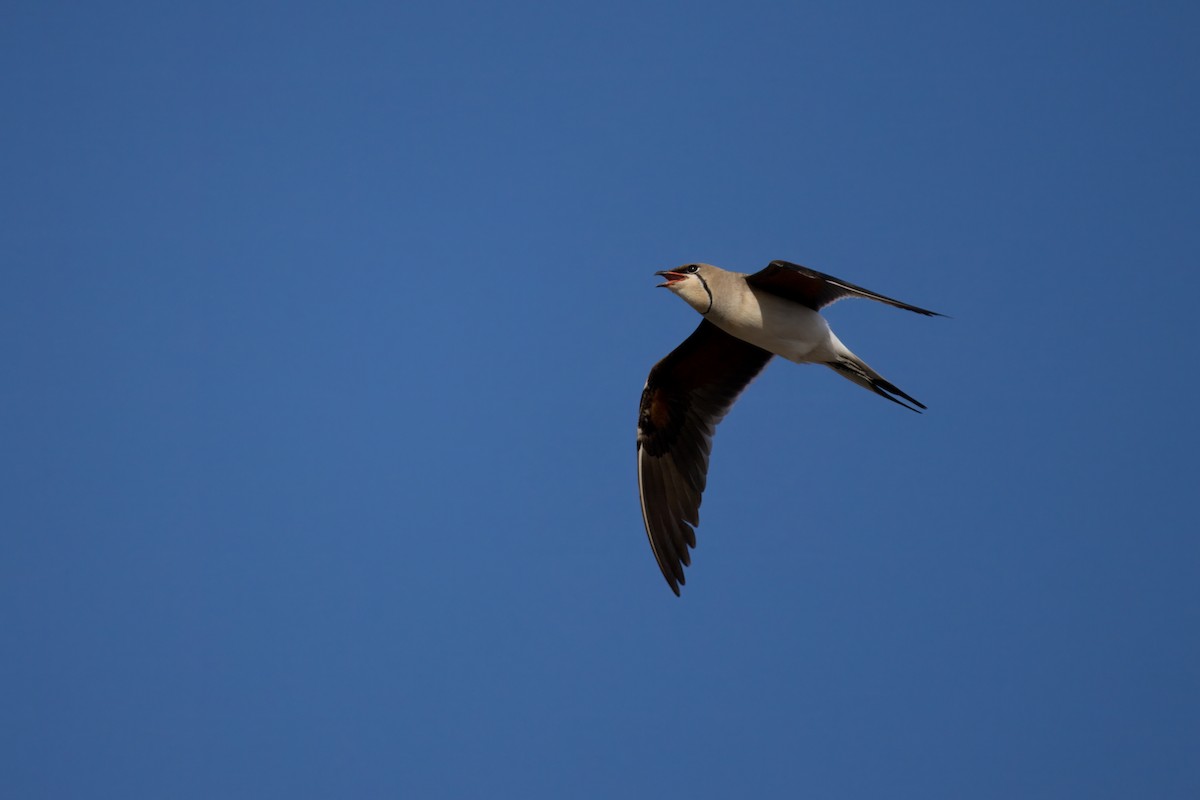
column 691, row 268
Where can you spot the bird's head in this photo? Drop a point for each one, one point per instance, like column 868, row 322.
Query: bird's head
column 691, row 283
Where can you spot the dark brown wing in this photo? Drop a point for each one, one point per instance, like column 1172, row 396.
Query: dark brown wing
column 816, row 289
column 686, row 395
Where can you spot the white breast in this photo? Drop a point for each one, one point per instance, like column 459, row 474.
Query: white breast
column 787, row 329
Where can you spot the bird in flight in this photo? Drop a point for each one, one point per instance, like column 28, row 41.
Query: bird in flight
column 747, row 320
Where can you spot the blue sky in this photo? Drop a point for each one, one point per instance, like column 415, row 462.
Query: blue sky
column 324, row 327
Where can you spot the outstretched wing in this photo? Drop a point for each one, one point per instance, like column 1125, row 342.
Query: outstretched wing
column 816, row 289
column 686, row 395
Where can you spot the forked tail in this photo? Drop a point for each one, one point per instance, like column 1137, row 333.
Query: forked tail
column 854, row 368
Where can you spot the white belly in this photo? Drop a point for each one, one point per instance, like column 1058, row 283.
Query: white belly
column 787, row 329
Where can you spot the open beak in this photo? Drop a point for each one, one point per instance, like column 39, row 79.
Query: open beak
column 672, row 277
